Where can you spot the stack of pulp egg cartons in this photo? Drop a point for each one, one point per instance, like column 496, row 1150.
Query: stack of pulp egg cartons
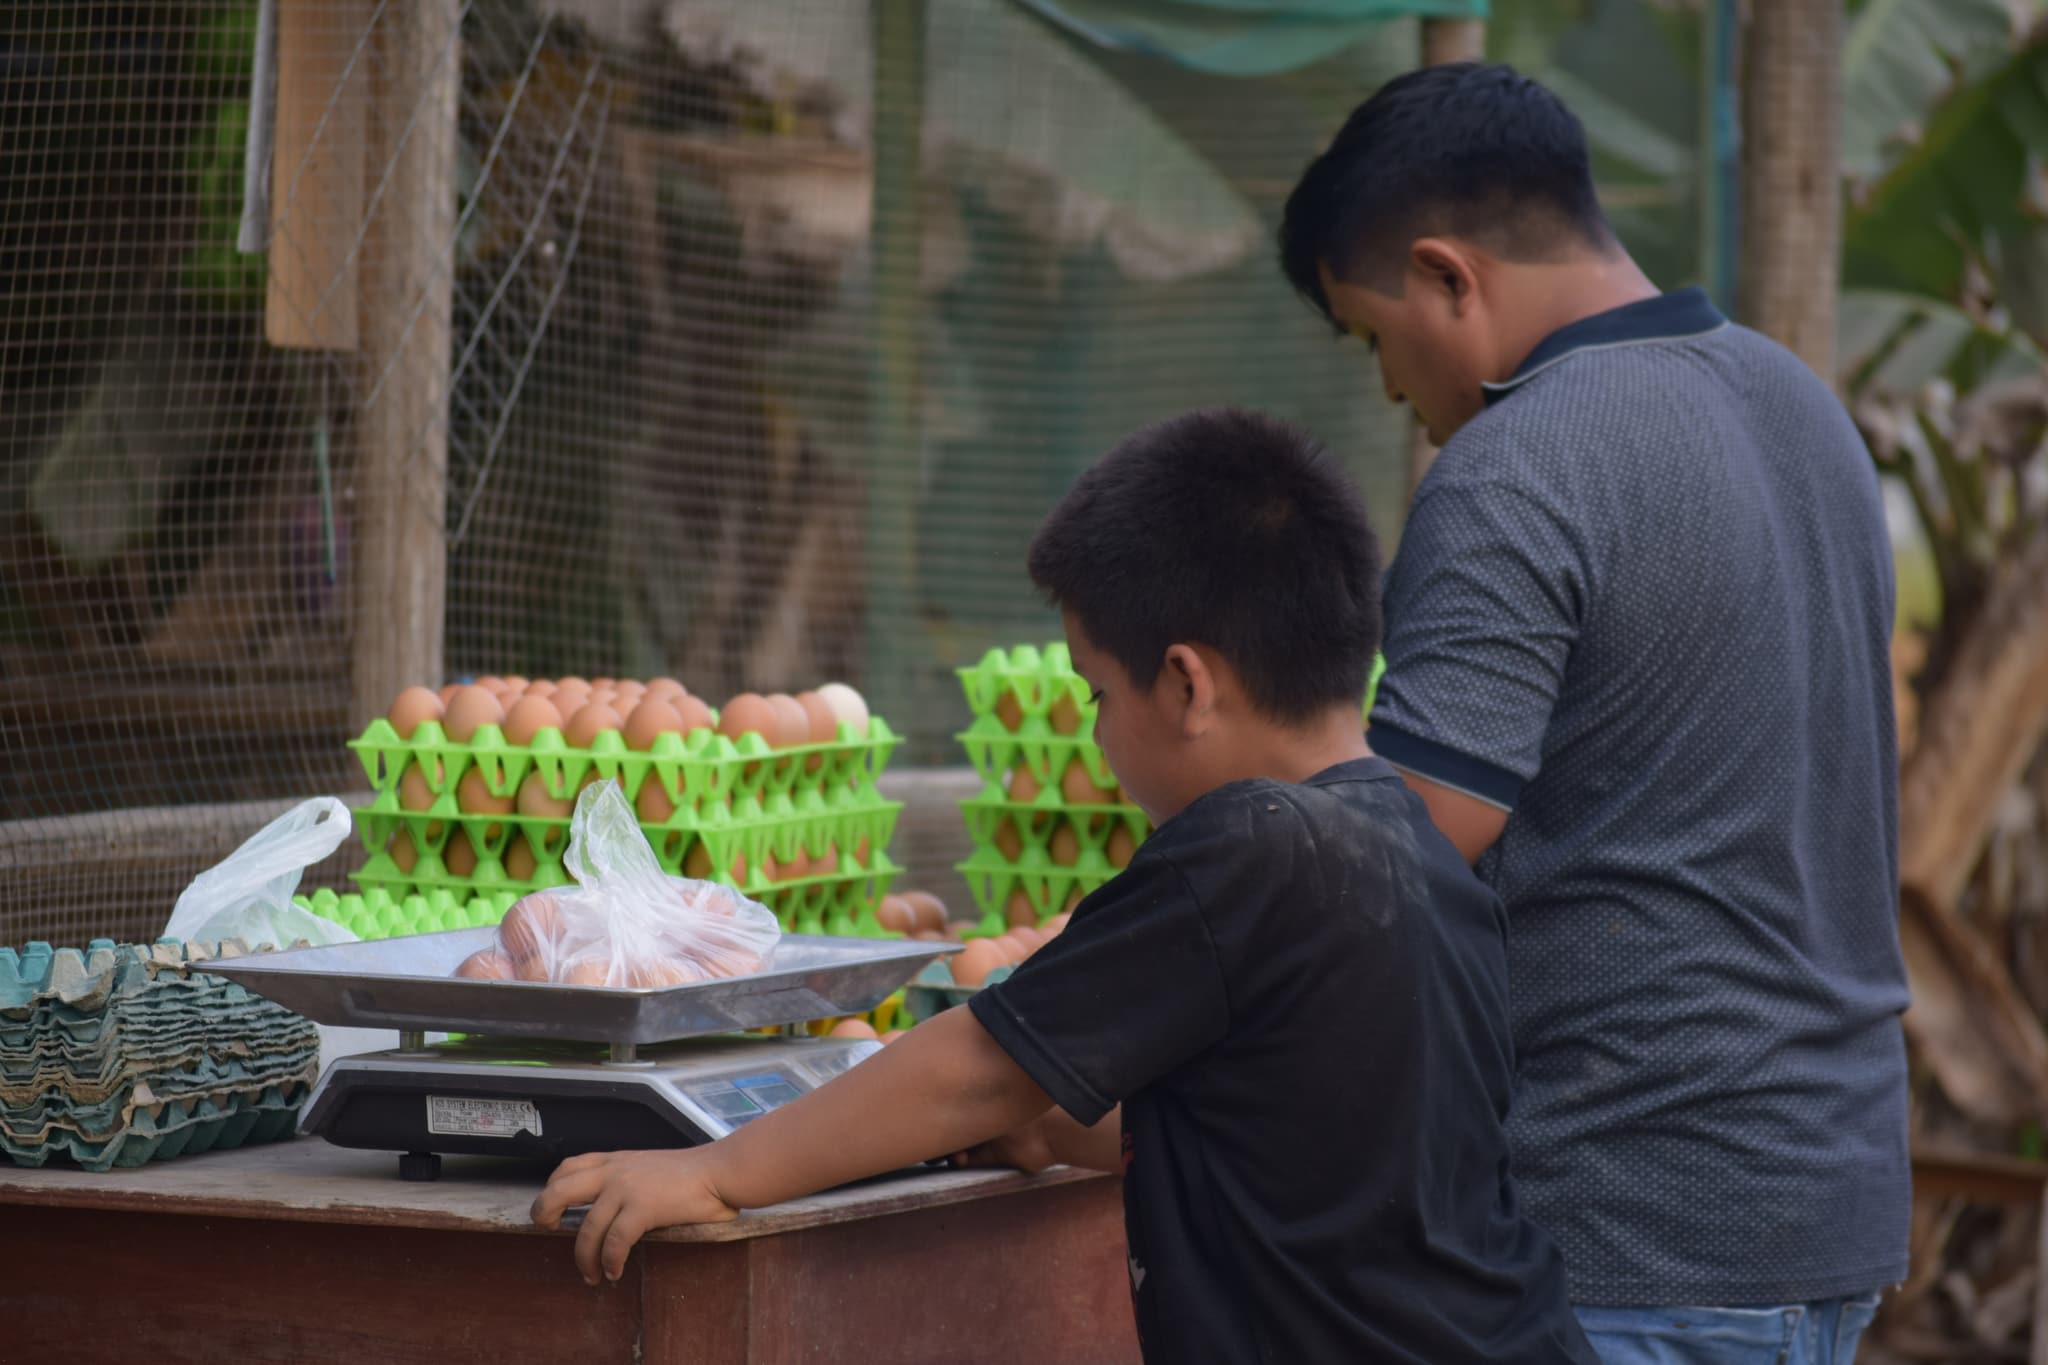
column 1050, row 824
column 115, row 1056
column 477, row 810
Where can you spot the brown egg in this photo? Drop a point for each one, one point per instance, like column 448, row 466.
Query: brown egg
column 458, row 855
column 605, row 696
column 1065, row 716
column 473, row 708
column 528, row 717
column 580, row 684
column 448, row 693
column 697, row 862
column 1074, row 898
column 1023, row 786
column 473, row 795
column 629, row 688
column 650, row 720
column 1010, row 711
column 540, row 687
column 892, row 1035
column 586, row 971
column 771, row 867
column 694, row 714
column 587, row 724
column 413, row 792
column 1008, row 841
column 662, row 973
column 535, row 968
column 926, row 936
column 612, row 683
column 792, row 722
column 414, row 705
column 529, row 927
column 570, row 700
column 486, row 964
column 666, row 688
column 652, row 804
column 852, row 1028
column 1066, row 845
column 824, row 722
column 404, row 852
column 1018, row 909
column 797, row 867
column 520, row 864
column 1031, row 939
column 929, row 909
column 1057, row 925
column 517, row 682
column 1080, row 789
column 972, row 964
column 749, row 713
column 533, row 799
column 1121, row 847
column 896, row 915
column 860, row 851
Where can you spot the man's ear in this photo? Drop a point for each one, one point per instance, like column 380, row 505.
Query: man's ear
column 1446, row 269
column 1192, row 689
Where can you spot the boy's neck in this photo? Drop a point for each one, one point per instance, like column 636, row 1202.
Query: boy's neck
column 1288, row 754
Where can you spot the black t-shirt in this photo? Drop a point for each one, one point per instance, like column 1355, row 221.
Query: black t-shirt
column 1299, row 996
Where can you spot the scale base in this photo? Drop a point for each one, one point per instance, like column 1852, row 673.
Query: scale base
column 546, row 1102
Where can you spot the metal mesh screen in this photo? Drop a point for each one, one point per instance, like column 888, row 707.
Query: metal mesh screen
column 694, row 338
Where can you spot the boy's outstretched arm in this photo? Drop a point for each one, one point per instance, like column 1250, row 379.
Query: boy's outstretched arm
column 943, row 1087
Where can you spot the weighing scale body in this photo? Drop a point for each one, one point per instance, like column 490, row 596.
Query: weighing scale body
column 567, row 1069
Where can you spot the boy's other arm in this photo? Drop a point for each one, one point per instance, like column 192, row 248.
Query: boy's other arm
column 943, row 1087
column 1469, row 823
column 1055, row 1138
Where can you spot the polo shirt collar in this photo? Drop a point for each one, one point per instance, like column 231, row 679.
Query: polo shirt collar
column 1675, row 316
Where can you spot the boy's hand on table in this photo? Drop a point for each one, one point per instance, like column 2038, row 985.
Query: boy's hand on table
column 1027, row 1149
column 628, row 1194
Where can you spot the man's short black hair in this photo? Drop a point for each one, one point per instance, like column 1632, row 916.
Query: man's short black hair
column 1229, row 529
column 1464, row 149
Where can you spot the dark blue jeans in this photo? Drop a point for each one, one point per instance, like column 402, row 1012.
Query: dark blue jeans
column 1823, row 1333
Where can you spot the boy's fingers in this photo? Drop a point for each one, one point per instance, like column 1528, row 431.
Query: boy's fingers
column 626, row 1229
column 590, row 1237
column 566, row 1188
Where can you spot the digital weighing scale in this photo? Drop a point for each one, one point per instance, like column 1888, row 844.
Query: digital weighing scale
column 561, row 1070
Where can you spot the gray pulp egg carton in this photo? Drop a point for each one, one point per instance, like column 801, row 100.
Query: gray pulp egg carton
column 118, row 1055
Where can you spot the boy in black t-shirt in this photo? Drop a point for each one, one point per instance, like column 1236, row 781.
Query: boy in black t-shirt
column 1285, row 1023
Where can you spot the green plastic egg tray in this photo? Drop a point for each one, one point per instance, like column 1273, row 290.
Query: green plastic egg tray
column 738, row 801
column 1041, row 679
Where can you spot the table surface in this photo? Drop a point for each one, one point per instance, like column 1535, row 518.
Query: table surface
column 309, row 1180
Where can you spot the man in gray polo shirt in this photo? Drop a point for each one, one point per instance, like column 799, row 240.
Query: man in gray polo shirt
column 1638, row 668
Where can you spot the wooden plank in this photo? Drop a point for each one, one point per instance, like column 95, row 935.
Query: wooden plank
column 106, row 1285
column 1792, row 184
column 316, row 187
column 1946, row 1172
column 309, row 1180
column 400, row 471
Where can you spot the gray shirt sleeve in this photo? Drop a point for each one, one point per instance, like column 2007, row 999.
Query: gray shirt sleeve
column 1483, row 605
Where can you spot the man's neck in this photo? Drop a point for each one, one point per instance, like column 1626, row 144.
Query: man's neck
column 1550, row 297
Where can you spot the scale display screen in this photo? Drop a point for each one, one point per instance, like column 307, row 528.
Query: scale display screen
column 744, row 1098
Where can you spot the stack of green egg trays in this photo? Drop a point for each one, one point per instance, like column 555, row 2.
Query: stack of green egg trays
column 119, row 1055
column 377, row 913
column 1040, row 680
column 741, row 802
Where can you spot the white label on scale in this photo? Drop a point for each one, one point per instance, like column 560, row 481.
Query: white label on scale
column 480, row 1118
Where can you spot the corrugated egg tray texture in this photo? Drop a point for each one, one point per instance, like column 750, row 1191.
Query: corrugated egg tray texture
column 116, row 1055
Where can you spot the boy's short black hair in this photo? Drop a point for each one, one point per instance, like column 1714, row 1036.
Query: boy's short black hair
column 1464, row 149
column 1229, row 529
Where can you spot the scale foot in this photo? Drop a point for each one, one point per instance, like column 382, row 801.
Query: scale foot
column 419, row 1166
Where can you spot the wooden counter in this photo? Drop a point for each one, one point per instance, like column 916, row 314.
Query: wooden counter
column 301, row 1252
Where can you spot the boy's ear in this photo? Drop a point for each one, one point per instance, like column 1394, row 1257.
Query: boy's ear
column 1193, row 689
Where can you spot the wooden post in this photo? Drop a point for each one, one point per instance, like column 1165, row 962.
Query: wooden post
column 400, row 479
column 1443, row 41
column 896, row 390
column 1792, row 183
column 316, row 179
